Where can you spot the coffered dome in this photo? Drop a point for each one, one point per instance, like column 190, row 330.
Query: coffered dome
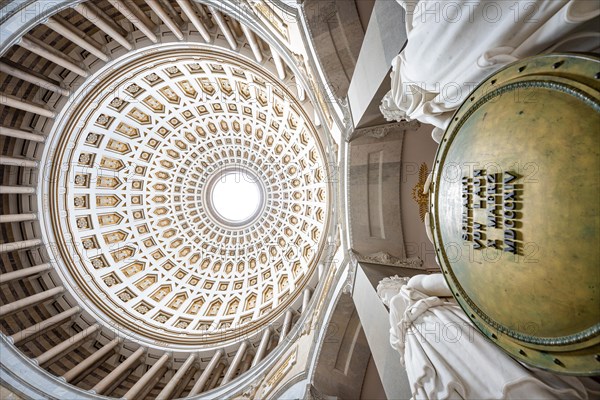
column 139, row 190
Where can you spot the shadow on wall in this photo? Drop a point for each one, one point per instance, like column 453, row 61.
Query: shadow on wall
column 338, row 28
column 344, row 368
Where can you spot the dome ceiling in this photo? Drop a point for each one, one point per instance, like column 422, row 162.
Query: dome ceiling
column 138, row 171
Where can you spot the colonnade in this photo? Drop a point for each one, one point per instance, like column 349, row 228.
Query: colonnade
column 151, row 17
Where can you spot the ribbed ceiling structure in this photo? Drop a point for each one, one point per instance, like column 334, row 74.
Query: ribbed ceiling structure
column 120, row 273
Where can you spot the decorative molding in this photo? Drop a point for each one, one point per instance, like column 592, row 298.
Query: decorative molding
column 277, row 376
column 352, row 267
column 383, row 258
column 317, row 87
column 266, row 12
column 251, row 389
column 381, row 131
column 348, row 123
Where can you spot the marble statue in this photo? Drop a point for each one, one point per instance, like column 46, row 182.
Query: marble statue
column 452, row 46
column 446, row 357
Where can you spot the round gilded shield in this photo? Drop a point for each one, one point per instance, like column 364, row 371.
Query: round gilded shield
column 515, row 211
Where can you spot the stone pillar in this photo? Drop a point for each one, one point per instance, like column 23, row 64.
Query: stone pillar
column 263, row 346
column 14, row 70
column 216, row 375
column 147, row 377
column 23, row 244
column 93, row 361
column 17, row 190
column 91, row 14
column 164, row 16
column 253, row 43
column 223, row 27
column 63, row 348
column 201, row 382
column 38, row 329
column 51, row 54
column 374, row 318
column 235, row 363
column 15, row 102
column 16, row 306
column 188, row 9
column 384, row 39
column 23, row 273
column 278, row 64
column 74, row 36
column 305, row 299
column 287, row 325
column 18, row 162
column 246, row 363
column 20, row 134
column 9, row 218
column 170, row 386
column 137, row 22
column 117, row 373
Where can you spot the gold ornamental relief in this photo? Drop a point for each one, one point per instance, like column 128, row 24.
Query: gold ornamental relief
column 422, row 199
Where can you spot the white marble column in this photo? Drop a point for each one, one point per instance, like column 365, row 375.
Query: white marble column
column 16, row 306
column 23, row 244
column 20, row 134
column 14, row 70
column 216, row 375
column 17, row 190
column 94, row 360
column 134, row 19
column 279, row 65
column 10, row 218
column 34, row 331
column 164, row 16
column 66, row 346
column 263, row 346
column 287, row 325
column 91, row 14
column 23, row 273
column 147, row 378
column 75, row 36
column 235, row 363
column 203, row 378
column 188, row 9
column 253, row 43
column 220, row 20
column 106, row 383
column 51, row 54
column 384, row 39
column 374, row 318
column 174, row 381
column 306, row 299
column 25, row 105
column 18, row 162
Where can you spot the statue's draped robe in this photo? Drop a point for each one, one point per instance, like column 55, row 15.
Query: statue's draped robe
column 454, row 45
column 446, row 357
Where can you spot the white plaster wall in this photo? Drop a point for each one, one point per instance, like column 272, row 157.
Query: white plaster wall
column 418, row 147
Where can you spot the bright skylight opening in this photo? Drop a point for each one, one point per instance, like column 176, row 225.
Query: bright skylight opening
column 236, row 197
